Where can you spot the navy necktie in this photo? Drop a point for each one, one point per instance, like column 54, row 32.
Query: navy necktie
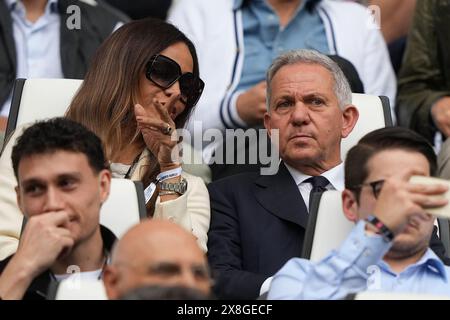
column 318, row 185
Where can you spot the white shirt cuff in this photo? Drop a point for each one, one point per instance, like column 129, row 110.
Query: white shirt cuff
column 233, row 110
column 438, row 142
column 265, row 286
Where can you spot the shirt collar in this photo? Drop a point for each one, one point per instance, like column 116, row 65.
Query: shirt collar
column 237, row 4
column 433, row 263
column 52, row 5
column 11, row 4
column 429, row 260
column 108, row 238
column 335, row 175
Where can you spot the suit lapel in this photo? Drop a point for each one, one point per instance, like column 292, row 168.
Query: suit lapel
column 70, row 44
column 280, row 195
column 6, row 25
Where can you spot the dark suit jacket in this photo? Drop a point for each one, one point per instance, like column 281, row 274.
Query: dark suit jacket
column 257, row 224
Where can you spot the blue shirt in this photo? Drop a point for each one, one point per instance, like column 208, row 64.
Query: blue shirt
column 358, row 266
column 264, row 39
column 37, row 44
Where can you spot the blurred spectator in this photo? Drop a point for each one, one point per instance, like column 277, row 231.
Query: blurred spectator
column 424, row 80
column 63, row 179
column 156, row 252
column 396, row 16
column 138, row 9
column 46, row 39
column 395, row 19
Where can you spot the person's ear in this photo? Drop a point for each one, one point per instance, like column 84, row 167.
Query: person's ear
column 19, row 198
column 110, row 281
column 105, row 184
column 350, row 205
column 350, row 116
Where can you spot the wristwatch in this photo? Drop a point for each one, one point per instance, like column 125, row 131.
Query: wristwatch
column 178, row 187
column 384, row 231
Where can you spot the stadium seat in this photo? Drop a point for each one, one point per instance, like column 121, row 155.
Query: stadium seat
column 327, row 225
column 36, row 99
column 374, row 113
column 124, row 207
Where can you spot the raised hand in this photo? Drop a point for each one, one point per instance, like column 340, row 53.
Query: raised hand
column 45, row 239
column 400, row 200
column 251, row 104
column 159, row 133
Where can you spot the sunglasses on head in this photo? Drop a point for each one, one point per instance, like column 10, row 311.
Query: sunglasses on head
column 164, row 72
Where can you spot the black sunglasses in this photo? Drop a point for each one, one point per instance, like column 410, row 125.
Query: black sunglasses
column 164, row 72
column 375, row 185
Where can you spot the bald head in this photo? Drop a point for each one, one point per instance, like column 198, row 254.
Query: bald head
column 154, row 237
column 156, row 252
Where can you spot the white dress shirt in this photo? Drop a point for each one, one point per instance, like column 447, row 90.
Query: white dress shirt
column 336, row 178
column 37, row 44
column 334, row 175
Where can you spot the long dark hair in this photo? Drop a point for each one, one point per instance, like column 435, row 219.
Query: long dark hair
column 109, row 92
column 106, row 99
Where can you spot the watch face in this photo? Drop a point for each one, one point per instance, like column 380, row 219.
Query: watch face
column 183, row 185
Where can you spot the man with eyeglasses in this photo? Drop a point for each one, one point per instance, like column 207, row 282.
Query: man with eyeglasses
column 156, row 252
column 393, row 229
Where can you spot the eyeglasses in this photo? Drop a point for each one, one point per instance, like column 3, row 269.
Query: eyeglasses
column 375, row 185
column 164, row 72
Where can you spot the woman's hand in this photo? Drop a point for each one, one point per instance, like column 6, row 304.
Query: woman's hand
column 159, row 133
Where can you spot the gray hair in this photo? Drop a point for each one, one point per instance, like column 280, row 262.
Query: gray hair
column 341, row 86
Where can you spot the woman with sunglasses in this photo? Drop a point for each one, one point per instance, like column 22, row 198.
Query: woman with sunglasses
column 142, row 85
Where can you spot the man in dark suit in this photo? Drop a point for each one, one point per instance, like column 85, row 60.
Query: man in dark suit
column 258, row 222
